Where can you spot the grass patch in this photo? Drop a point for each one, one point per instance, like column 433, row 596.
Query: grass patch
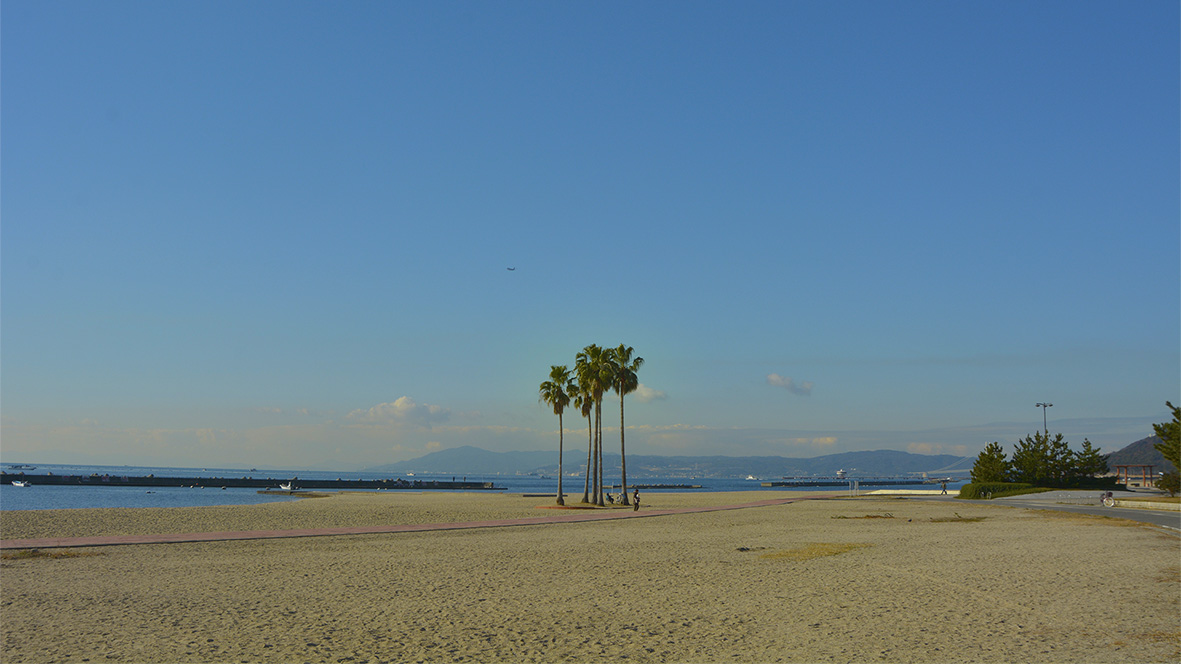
column 887, row 515
column 818, row 550
column 958, row 519
column 1092, row 519
column 1150, row 499
column 27, row 554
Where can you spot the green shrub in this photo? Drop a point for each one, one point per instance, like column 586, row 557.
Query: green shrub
column 996, row 489
column 1105, row 483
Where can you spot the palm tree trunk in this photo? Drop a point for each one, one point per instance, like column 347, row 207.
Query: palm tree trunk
column 590, row 446
column 599, row 453
column 596, row 486
column 622, row 455
column 561, row 430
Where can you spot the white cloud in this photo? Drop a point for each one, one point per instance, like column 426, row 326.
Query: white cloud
column 802, row 389
column 820, row 441
column 402, row 411
column 937, row 448
column 669, row 427
column 644, row 394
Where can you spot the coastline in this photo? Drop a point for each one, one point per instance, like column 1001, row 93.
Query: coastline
column 910, row 581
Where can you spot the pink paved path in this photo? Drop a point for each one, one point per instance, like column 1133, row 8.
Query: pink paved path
column 572, row 516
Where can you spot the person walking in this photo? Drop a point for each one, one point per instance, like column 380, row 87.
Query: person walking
column 943, row 485
column 636, row 500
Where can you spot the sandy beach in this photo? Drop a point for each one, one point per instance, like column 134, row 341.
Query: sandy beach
column 841, row 580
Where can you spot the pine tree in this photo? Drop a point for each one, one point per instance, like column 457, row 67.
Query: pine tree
column 1041, row 460
column 1170, row 436
column 1089, row 462
column 991, row 465
column 1170, row 447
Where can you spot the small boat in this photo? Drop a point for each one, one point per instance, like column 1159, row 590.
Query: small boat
column 21, row 466
column 20, row 483
column 290, row 486
column 751, row 477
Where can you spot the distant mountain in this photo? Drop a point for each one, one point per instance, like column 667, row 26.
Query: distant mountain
column 468, row 460
column 876, row 463
column 1141, row 453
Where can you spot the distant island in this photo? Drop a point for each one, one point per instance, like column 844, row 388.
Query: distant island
column 469, row 460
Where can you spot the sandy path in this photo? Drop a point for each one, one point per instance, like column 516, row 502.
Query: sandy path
column 1015, row 586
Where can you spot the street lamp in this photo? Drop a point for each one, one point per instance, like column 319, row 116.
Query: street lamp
column 1044, row 406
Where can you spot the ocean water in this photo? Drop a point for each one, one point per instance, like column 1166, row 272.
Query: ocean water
column 72, row 497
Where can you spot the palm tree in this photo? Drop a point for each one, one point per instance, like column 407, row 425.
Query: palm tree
column 584, row 403
column 625, row 382
column 582, row 366
column 595, row 371
column 556, row 392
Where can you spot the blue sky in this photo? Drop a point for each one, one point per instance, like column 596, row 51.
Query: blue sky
column 276, row 233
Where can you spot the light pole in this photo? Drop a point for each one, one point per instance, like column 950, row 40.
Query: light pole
column 1044, row 406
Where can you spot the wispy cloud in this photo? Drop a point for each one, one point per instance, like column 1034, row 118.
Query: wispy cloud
column 819, row 441
column 937, row 448
column 644, row 394
column 786, row 382
column 669, row 427
column 402, row 411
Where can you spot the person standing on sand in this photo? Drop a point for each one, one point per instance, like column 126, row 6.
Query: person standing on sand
column 636, row 499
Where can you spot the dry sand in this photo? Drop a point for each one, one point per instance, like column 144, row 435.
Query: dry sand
column 915, row 583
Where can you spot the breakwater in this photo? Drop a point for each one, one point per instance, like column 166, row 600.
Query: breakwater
column 244, row 482
column 869, row 481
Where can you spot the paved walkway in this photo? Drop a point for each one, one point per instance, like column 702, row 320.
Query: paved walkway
column 1082, row 502
column 564, row 516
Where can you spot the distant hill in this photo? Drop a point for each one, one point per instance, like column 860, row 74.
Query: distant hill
column 1141, row 452
column 468, row 460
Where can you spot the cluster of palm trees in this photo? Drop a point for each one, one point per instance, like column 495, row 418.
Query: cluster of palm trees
column 596, row 371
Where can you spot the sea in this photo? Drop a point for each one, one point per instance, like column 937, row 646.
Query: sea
column 75, row 497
